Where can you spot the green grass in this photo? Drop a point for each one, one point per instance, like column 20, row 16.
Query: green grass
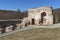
column 35, row 34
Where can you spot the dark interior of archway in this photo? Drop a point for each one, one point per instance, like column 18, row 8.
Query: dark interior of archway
column 26, row 24
column 33, row 21
column 42, row 15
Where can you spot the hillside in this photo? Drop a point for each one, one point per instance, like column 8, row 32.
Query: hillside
column 8, row 14
column 35, row 34
column 56, row 12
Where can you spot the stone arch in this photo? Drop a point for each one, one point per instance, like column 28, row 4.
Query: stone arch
column 42, row 17
column 25, row 24
column 29, row 23
column 33, row 21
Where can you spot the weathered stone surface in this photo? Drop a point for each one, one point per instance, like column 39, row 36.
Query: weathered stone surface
column 18, row 26
column 9, row 28
column 36, row 14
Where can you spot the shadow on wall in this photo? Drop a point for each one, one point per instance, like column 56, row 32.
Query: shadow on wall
column 54, row 20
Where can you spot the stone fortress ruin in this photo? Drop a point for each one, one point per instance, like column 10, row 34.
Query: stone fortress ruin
column 37, row 16
column 42, row 15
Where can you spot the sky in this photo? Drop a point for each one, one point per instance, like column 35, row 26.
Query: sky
column 27, row 4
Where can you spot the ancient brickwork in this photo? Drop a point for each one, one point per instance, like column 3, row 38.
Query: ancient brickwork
column 42, row 15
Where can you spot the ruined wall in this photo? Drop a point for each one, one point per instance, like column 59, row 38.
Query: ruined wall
column 36, row 15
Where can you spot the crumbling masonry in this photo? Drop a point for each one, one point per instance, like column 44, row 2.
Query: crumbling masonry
column 37, row 16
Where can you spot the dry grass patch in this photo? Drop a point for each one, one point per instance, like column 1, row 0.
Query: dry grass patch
column 35, row 34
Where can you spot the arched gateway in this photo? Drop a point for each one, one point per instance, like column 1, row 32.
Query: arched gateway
column 43, row 14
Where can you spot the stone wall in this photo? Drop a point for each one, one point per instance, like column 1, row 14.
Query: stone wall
column 36, row 15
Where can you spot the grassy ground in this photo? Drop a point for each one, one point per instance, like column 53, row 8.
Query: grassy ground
column 35, row 34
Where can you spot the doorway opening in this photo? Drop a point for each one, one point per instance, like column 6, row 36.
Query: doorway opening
column 42, row 17
column 33, row 21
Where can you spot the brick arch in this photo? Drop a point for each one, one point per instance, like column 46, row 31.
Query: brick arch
column 42, row 16
column 28, row 23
